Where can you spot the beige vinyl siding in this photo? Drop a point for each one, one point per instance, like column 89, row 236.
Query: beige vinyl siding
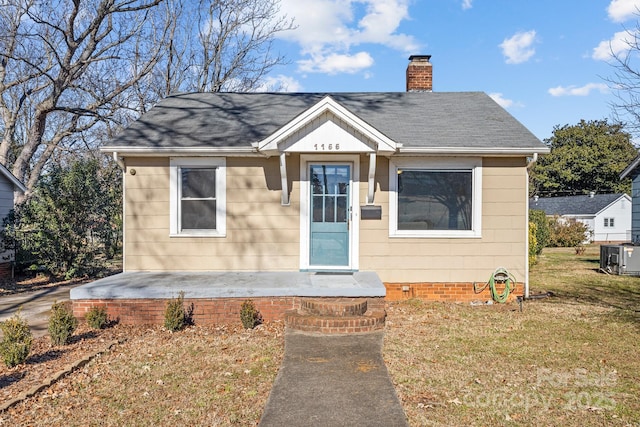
column 502, row 242
column 264, row 235
column 261, row 233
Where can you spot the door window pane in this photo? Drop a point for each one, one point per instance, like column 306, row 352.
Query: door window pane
column 330, row 188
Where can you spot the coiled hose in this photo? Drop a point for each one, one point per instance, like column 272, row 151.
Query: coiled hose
column 501, row 275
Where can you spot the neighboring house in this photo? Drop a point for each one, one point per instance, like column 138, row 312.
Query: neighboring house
column 607, row 216
column 633, row 171
column 428, row 191
column 9, row 184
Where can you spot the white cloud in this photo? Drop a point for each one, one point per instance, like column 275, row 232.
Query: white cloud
column 619, row 43
column 280, row 83
column 336, row 63
column 517, row 48
column 579, row 90
column 622, row 10
column 501, row 100
column 329, row 30
column 466, row 4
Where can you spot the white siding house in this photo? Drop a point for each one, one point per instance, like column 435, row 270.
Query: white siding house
column 9, row 184
column 607, row 216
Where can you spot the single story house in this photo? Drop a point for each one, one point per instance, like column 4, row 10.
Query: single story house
column 607, row 216
column 633, row 171
column 278, row 196
column 9, row 185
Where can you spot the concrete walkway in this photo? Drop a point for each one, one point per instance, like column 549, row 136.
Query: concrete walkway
column 333, row 380
column 35, row 306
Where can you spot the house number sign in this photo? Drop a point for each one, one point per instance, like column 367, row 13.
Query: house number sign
column 326, row 147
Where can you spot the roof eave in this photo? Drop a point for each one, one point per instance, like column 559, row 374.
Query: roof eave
column 622, row 196
column 180, row 151
column 485, row 151
column 17, row 185
column 632, row 166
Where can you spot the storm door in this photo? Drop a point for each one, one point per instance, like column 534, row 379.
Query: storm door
column 330, row 215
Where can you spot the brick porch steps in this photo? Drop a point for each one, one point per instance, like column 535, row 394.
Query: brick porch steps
column 335, row 316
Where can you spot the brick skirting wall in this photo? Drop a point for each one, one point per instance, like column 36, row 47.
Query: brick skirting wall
column 5, row 270
column 448, row 292
column 212, row 311
column 206, row 311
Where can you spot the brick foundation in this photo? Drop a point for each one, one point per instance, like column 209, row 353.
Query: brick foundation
column 205, row 311
column 448, row 292
column 212, row 311
column 5, row 270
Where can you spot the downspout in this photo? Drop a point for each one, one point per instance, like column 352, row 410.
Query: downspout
column 530, row 165
column 120, row 162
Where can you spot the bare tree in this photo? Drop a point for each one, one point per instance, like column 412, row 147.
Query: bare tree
column 66, row 66
column 73, row 72
column 626, row 82
column 222, row 45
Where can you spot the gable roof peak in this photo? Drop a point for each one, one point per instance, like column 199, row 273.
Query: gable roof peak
column 271, row 144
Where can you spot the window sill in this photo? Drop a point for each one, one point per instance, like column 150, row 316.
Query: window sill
column 432, row 235
column 197, row 235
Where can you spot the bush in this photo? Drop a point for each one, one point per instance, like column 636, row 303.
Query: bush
column 543, row 232
column 249, row 315
column 175, row 316
column 16, row 342
column 71, row 224
column 62, row 324
column 566, row 233
column 97, row 317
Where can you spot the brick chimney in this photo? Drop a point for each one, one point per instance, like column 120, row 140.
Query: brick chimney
column 419, row 74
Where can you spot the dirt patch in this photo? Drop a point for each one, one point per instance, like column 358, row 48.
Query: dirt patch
column 28, row 282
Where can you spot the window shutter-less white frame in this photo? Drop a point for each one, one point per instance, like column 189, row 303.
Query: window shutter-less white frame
column 435, row 164
column 219, row 163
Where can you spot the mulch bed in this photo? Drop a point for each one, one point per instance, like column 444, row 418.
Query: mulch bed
column 45, row 360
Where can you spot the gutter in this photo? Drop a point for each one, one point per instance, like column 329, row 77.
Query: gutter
column 188, row 151
column 493, row 151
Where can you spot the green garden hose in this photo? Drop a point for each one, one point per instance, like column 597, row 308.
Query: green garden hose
column 501, row 275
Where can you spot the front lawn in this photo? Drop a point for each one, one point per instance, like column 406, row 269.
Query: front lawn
column 569, row 360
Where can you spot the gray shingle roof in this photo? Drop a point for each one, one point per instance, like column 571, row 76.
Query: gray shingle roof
column 415, row 119
column 574, row 205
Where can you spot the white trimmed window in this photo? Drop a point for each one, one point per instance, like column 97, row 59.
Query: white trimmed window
column 609, row 222
column 435, row 197
column 198, row 197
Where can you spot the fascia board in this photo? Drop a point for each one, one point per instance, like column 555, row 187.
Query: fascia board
column 19, row 186
column 181, row 151
column 627, row 171
column 496, row 151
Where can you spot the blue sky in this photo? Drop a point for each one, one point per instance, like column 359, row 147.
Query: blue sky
column 545, row 61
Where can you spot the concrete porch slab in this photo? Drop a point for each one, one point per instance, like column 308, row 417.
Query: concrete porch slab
column 155, row 285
